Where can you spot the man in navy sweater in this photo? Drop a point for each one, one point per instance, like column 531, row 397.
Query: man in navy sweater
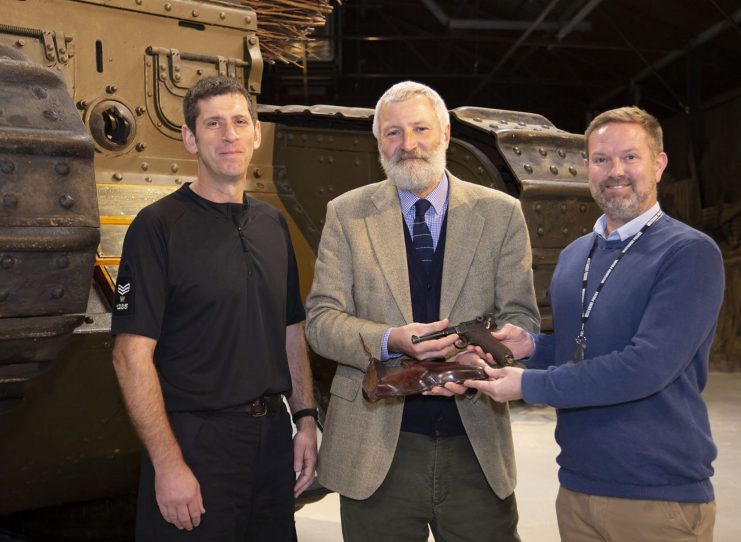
column 635, row 307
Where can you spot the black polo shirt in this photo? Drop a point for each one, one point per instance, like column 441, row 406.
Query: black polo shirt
column 215, row 284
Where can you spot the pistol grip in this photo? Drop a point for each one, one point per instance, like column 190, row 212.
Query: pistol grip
column 501, row 354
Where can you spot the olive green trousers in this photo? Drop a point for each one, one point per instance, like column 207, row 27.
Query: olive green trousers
column 433, row 483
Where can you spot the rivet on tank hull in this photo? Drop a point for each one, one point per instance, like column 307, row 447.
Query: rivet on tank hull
column 57, row 293
column 6, row 166
column 66, row 201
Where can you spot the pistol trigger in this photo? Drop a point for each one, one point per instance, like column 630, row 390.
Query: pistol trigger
column 461, row 343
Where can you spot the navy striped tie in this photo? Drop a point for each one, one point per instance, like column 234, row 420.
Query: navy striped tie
column 421, row 236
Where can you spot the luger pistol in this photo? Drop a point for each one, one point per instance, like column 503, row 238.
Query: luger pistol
column 475, row 332
column 409, row 377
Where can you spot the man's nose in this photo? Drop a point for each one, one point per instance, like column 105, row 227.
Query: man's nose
column 409, row 142
column 617, row 169
column 230, row 131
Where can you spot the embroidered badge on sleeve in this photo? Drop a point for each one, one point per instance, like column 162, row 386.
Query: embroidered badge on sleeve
column 123, row 298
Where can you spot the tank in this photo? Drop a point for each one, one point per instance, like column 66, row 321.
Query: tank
column 90, row 115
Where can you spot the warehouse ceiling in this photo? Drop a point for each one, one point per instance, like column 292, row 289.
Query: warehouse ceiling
column 564, row 59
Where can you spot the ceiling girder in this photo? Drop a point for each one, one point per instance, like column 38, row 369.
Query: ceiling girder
column 670, row 57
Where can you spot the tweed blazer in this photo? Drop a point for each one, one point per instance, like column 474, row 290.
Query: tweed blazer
column 361, row 288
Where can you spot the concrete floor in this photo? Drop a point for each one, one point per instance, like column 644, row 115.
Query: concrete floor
column 536, row 467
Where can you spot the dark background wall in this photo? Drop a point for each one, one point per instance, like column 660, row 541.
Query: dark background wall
column 567, row 60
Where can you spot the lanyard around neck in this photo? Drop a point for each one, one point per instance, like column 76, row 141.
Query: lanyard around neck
column 581, row 339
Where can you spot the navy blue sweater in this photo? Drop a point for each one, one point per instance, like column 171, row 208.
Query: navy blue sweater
column 631, row 421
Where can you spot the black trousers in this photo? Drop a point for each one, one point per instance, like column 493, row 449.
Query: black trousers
column 244, row 465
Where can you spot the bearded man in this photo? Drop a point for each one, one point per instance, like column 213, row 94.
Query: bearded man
column 405, row 257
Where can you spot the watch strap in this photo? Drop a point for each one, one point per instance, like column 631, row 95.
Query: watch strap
column 313, row 412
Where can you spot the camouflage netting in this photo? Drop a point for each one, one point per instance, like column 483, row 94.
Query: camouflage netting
column 284, row 26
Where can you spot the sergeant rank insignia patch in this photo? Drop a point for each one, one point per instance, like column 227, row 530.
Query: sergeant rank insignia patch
column 123, row 298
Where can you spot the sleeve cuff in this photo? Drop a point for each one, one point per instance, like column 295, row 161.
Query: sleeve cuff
column 385, row 354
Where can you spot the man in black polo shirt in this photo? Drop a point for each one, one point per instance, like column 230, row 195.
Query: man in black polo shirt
column 209, row 335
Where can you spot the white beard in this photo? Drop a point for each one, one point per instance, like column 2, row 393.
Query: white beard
column 415, row 171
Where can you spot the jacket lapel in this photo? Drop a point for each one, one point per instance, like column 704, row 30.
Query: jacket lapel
column 385, row 230
column 465, row 228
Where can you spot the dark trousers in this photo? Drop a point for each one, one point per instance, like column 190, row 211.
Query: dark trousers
column 435, row 482
column 244, row 465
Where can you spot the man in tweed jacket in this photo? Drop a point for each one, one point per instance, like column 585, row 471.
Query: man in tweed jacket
column 447, row 462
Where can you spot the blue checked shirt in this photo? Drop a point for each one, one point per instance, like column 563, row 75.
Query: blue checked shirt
column 434, row 217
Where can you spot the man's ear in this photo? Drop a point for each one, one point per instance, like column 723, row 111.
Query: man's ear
column 661, row 162
column 258, row 135
column 189, row 139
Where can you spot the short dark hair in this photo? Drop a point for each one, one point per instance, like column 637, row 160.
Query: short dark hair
column 209, row 87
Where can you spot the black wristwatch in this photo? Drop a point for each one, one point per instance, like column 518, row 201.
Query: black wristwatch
column 313, row 412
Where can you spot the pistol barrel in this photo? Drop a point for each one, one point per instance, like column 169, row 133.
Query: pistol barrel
column 416, row 339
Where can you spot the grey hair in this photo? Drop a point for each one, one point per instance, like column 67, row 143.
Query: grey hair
column 405, row 90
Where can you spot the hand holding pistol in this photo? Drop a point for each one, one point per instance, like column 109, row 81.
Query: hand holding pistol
column 475, row 332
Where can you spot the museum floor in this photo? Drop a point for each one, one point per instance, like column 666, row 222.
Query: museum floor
column 536, row 467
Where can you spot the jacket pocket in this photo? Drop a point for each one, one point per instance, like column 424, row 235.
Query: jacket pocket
column 345, row 387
